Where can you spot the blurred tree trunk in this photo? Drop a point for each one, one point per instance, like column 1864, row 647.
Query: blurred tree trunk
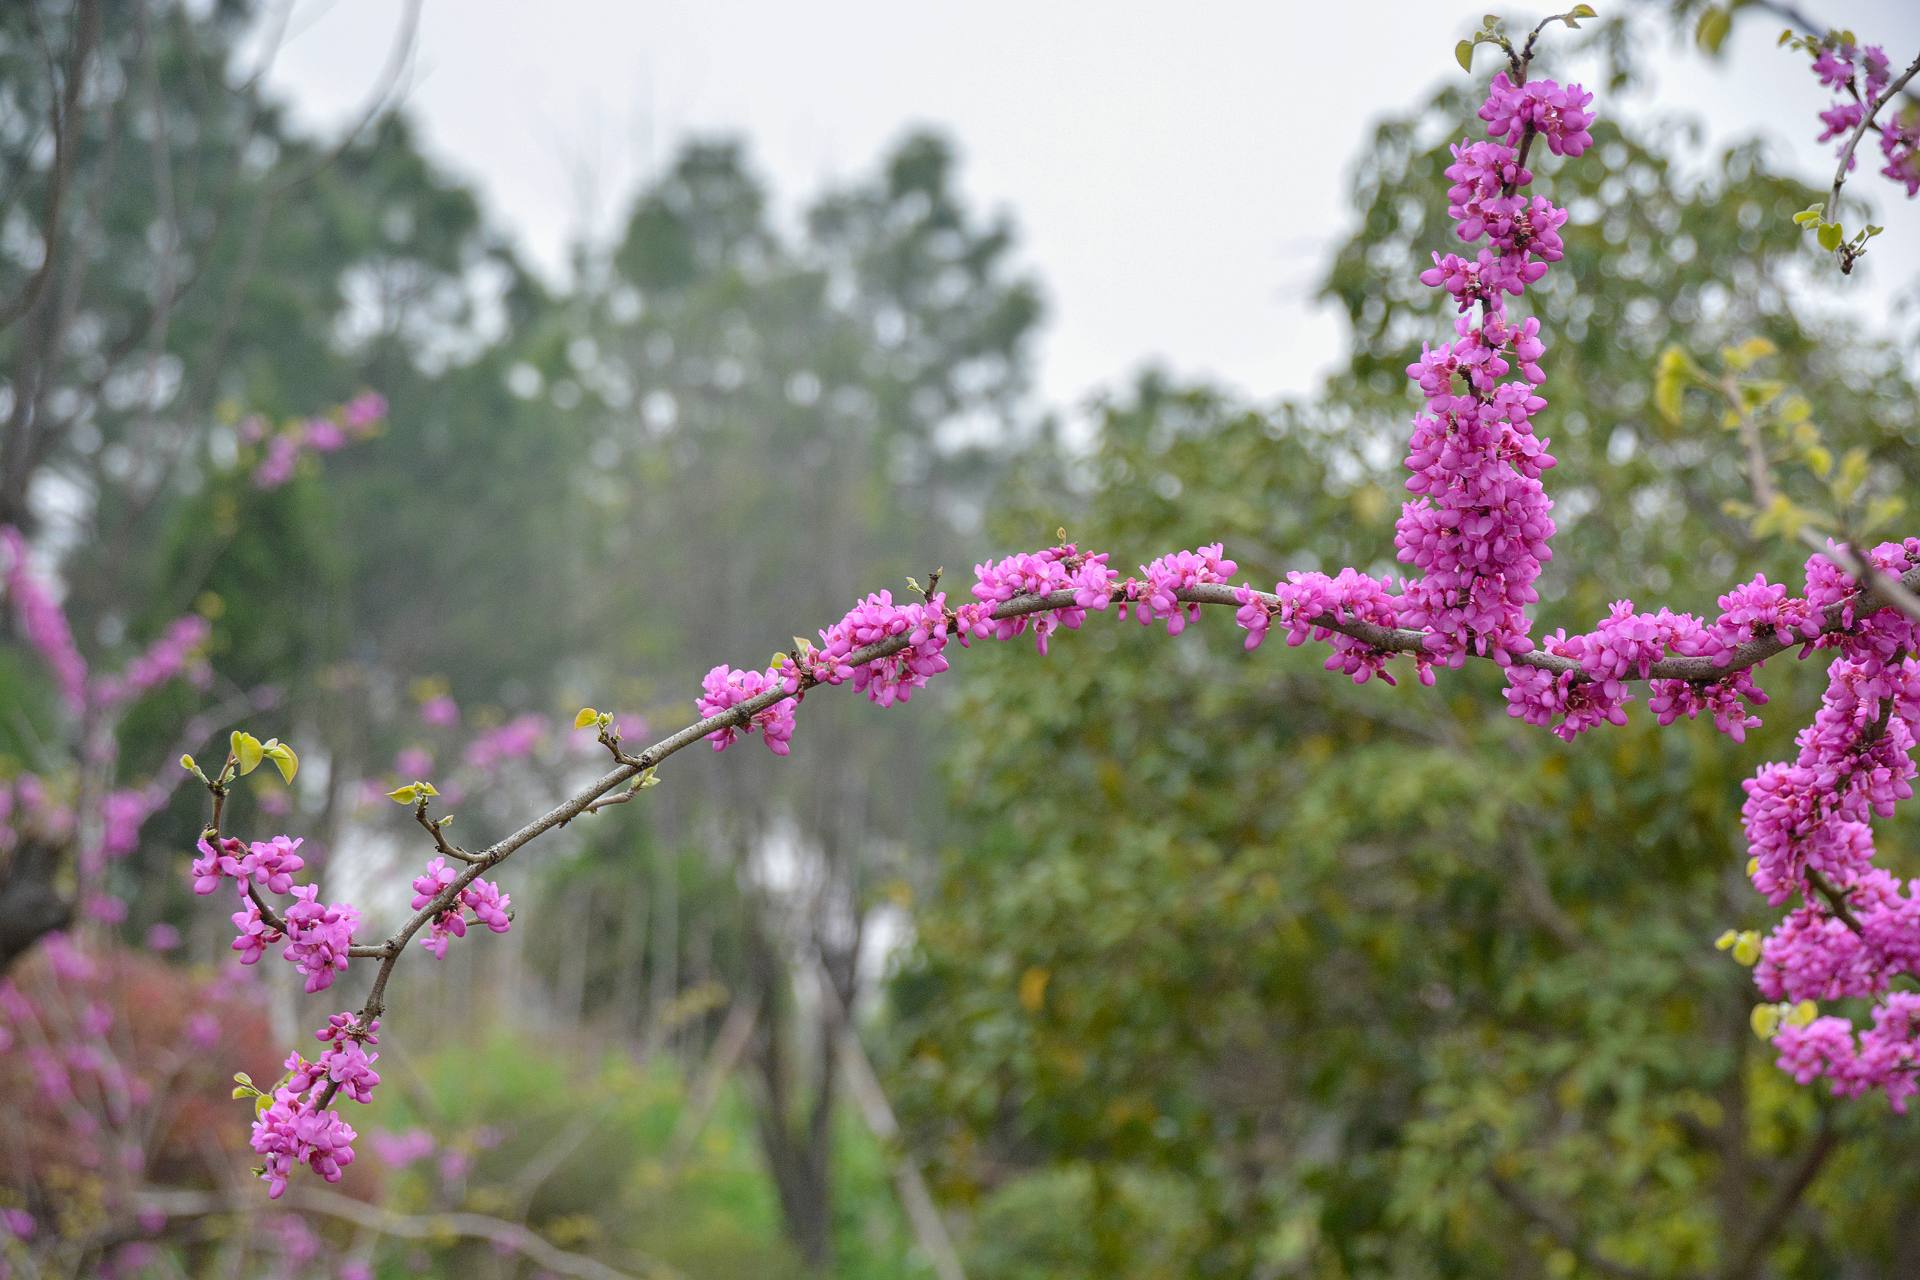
column 30, row 905
column 795, row 1112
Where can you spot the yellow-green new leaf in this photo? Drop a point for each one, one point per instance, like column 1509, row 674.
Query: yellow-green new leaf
column 585, row 717
column 1715, row 23
column 247, row 750
column 284, row 759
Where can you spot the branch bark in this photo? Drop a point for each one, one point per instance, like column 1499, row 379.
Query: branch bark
column 522, row 1240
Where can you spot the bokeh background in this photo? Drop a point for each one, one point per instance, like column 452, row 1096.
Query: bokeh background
column 651, row 335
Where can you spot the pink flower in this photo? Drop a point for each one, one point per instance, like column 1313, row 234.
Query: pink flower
column 318, row 936
column 440, row 711
column 41, row 621
column 271, row 863
column 725, row 688
column 215, row 865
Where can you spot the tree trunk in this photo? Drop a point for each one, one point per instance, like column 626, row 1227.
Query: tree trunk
column 30, row 906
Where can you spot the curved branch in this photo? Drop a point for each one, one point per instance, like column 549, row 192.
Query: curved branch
column 1390, row 639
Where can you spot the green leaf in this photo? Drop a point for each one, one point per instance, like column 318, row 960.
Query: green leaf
column 1830, row 235
column 404, row 795
column 246, row 750
column 284, row 759
column 1851, row 475
column 1883, row 510
column 1584, row 11
column 1670, row 381
column 1715, row 22
column 584, row 717
column 1740, row 358
column 1810, row 216
column 1463, row 54
column 186, row 762
column 1781, row 519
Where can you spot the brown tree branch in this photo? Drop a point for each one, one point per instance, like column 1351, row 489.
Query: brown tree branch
column 1564, row 1230
column 64, row 121
column 1774, row 1218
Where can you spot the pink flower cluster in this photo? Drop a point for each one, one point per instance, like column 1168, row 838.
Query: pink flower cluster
column 178, row 652
column 282, row 449
column 1882, row 1056
column 725, row 688
column 926, row 626
column 318, row 935
column 1154, row 593
column 1857, row 927
column 1037, row 573
column 517, row 739
column 1478, row 526
column 490, row 907
column 1308, row 602
column 1626, row 645
column 270, row 864
column 41, row 621
column 886, row 681
column 295, row 1127
column 1541, row 107
column 1862, row 75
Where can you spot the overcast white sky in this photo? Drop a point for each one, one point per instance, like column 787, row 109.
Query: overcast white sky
column 1177, row 171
